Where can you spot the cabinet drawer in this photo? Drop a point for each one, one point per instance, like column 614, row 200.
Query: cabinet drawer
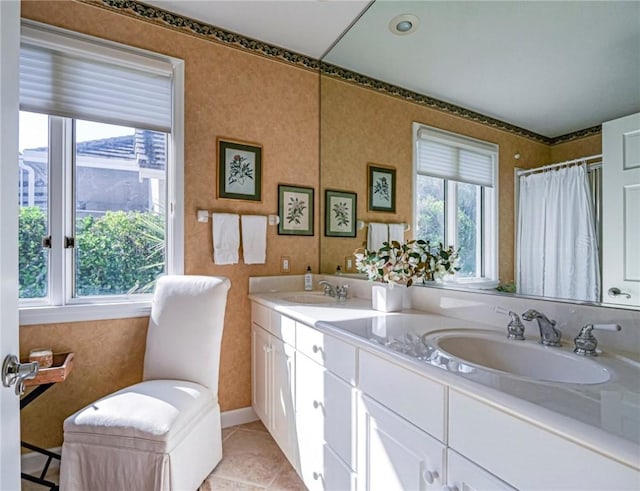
column 328, row 351
column 322, row 470
column 325, row 408
column 260, row 315
column 283, row 328
column 506, row 446
column 418, row 399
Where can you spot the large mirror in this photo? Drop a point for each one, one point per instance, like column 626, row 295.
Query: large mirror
column 537, row 79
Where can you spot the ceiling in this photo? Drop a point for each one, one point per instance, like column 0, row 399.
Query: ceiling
column 550, row 67
column 308, row 27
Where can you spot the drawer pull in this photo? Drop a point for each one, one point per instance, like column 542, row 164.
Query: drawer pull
column 317, row 404
column 430, row 476
column 316, row 476
column 316, row 348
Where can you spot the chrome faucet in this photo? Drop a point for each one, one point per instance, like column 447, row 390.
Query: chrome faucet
column 337, row 292
column 328, row 288
column 549, row 334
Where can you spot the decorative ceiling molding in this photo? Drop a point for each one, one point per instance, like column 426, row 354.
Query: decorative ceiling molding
column 576, row 135
column 430, row 102
column 215, row 34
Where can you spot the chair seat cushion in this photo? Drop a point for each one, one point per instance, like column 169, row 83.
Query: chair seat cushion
column 153, row 416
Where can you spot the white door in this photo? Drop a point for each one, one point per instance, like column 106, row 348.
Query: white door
column 282, row 397
column 395, row 455
column 9, row 412
column 260, row 346
column 465, row 475
column 621, row 211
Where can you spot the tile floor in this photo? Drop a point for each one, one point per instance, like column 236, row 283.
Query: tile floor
column 251, row 461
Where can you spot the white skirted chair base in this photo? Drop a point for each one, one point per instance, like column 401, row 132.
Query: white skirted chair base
column 144, row 438
column 163, row 433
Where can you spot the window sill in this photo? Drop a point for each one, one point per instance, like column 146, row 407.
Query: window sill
column 472, row 283
column 86, row 312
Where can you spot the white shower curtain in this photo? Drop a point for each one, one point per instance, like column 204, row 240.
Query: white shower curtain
column 557, row 250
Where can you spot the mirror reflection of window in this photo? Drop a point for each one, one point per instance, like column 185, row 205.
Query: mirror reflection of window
column 454, row 198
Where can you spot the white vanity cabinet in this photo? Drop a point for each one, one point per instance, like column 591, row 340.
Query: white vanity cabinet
column 528, row 456
column 273, row 372
column 350, row 418
column 325, row 409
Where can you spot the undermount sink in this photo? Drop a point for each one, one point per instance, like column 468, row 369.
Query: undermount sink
column 490, row 350
column 309, row 298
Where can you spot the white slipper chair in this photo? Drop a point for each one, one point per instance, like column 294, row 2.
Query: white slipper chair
column 163, row 433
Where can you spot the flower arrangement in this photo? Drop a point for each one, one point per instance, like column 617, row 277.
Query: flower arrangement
column 396, row 263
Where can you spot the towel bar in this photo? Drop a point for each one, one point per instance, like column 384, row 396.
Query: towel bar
column 203, row 217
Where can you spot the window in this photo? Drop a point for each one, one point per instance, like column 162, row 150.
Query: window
column 100, row 176
column 454, row 197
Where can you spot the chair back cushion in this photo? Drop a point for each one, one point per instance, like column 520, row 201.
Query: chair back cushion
column 185, row 329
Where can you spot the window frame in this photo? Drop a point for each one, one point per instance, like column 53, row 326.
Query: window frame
column 489, row 266
column 59, row 306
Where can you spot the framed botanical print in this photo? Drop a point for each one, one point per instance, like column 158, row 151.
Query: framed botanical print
column 381, row 185
column 239, row 170
column 295, row 210
column 340, row 209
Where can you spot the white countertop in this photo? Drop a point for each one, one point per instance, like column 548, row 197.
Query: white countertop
column 604, row 417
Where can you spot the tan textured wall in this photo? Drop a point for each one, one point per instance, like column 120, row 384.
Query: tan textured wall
column 359, row 125
column 228, row 93
column 584, row 147
column 108, row 356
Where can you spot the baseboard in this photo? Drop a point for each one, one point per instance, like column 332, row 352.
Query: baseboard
column 33, row 462
column 238, row 416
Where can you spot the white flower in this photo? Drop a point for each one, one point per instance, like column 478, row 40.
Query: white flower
column 396, row 263
column 440, row 271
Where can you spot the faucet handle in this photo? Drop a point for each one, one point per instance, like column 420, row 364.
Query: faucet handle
column 586, row 342
column 342, row 292
column 515, row 328
column 607, row 327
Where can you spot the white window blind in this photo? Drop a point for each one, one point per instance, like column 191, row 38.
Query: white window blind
column 453, row 157
column 72, row 77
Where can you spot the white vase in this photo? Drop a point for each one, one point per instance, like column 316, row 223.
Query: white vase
column 387, row 298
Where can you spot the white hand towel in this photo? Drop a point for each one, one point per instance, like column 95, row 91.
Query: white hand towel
column 254, row 239
column 376, row 235
column 226, row 238
column 396, row 232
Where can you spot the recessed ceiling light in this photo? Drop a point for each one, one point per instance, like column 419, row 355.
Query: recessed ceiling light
column 404, row 24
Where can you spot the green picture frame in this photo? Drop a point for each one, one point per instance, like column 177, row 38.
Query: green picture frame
column 381, row 187
column 239, row 170
column 295, row 210
column 340, row 212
